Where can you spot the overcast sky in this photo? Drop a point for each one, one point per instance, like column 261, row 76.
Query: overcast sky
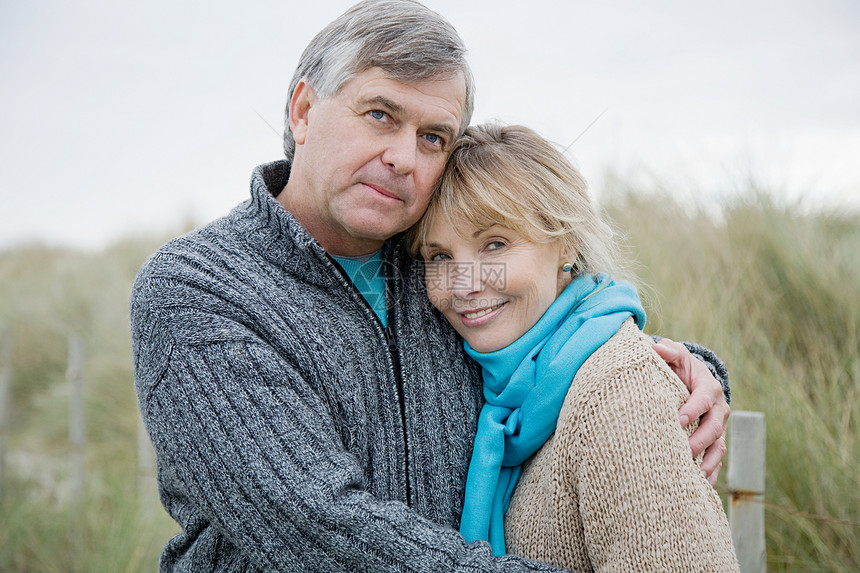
column 126, row 117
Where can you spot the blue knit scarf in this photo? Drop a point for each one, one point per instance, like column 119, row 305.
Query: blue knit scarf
column 525, row 384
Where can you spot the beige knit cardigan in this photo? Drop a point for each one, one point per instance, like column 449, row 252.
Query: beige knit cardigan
column 615, row 488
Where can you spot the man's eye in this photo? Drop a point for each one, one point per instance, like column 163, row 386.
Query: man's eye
column 377, row 114
column 433, row 138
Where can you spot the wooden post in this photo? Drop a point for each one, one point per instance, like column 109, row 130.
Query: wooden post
column 746, row 478
column 77, row 415
column 5, row 397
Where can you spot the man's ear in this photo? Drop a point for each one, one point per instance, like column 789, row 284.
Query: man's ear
column 303, row 99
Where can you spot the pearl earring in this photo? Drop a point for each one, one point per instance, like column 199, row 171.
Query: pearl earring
column 567, row 267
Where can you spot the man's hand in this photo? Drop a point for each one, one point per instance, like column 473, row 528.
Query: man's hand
column 706, row 401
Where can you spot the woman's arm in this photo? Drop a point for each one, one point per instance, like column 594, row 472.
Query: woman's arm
column 643, row 501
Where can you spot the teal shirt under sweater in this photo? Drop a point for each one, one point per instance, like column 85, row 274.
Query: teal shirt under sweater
column 366, row 274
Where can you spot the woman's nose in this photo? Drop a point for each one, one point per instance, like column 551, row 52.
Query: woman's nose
column 464, row 280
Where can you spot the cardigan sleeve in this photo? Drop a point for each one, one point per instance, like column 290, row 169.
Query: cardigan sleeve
column 644, row 503
column 714, row 363
column 251, row 466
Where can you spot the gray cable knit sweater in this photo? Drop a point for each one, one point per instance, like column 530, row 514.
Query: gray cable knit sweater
column 293, row 432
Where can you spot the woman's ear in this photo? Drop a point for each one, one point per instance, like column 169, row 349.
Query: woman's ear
column 569, row 256
column 303, row 99
column 566, row 269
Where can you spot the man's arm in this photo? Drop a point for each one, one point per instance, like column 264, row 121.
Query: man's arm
column 708, row 399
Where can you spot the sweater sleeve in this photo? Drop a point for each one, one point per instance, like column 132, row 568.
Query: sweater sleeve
column 714, row 363
column 253, row 469
column 645, row 505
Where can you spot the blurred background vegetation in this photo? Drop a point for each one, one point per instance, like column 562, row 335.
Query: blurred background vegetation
column 772, row 288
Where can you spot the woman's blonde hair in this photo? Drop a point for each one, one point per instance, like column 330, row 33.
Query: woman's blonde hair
column 511, row 176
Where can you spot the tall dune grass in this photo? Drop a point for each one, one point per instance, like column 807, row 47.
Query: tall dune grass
column 774, row 290
column 45, row 296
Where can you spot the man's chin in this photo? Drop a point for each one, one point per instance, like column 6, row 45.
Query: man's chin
column 380, row 230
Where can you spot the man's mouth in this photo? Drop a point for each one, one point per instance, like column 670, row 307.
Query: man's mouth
column 383, row 191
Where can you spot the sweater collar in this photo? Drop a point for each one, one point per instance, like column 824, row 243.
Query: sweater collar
column 272, row 230
column 266, row 219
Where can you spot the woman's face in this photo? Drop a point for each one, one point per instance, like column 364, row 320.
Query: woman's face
column 492, row 284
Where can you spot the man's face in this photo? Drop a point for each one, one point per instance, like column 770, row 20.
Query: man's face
column 367, row 159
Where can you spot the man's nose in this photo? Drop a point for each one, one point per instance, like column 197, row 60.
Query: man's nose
column 401, row 152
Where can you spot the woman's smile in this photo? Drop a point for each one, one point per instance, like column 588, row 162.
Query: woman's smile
column 472, row 317
column 491, row 284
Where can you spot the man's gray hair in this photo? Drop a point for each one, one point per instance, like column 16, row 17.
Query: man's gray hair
column 407, row 40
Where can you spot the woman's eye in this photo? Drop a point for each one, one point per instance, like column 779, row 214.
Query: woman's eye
column 437, row 257
column 493, row 245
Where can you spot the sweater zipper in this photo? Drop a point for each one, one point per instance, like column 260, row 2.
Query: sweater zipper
column 391, row 343
column 391, row 339
column 398, row 378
